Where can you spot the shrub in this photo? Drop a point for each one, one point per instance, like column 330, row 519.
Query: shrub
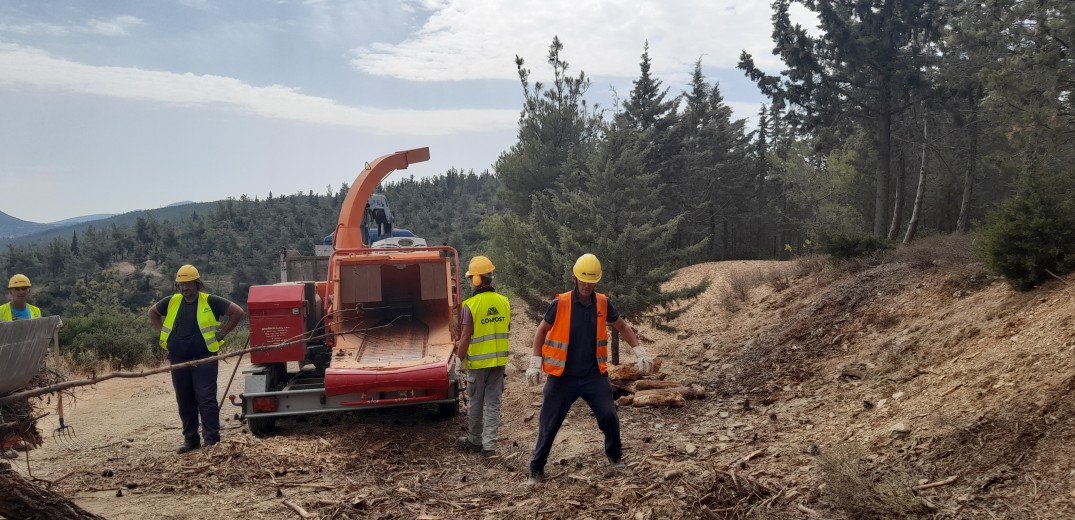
column 866, row 492
column 1029, row 236
column 121, row 340
column 850, row 245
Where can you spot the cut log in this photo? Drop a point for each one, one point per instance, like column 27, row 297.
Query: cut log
column 629, row 371
column 20, row 498
column 649, row 384
column 659, row 398
column 625, row 401
column 686, row 391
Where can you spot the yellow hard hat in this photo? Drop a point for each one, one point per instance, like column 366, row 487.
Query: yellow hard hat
column 19, row 280
column 588, row 269
column 187, row 273
column 480, row 265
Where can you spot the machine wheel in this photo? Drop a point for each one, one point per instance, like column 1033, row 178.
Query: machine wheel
column 262, row 426
column 449, row 410
column 275, row 377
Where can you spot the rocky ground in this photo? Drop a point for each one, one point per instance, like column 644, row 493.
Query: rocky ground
column 915, row 385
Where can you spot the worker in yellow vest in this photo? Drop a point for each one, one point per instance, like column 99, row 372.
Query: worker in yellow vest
column 190, row 329
column 571, row 347
column 483, row 349
column 18, row 289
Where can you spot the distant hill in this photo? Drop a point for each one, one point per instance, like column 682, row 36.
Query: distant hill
column 12, row 227
column 22, row 232
column 84, row 218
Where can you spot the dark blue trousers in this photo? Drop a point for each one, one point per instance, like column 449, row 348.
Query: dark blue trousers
column 195, row 392
column 560, row 394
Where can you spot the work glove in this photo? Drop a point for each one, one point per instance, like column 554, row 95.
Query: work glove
column 644, row 363
column 533, row 374
column 460, row 368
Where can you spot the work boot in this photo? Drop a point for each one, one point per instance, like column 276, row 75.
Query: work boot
column 488, row 453
column 617, row 463
column 536, row 478
column 186, row 448
column 464, row 443
column 9, row 454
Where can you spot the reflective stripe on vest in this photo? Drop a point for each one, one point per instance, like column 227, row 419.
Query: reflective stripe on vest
column 489, row 345
column 6, row 314
column 207, row 322
column 554, row 351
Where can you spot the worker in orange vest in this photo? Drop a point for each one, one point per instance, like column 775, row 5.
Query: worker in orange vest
column 571, row 347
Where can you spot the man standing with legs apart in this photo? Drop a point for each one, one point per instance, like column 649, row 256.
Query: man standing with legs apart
column 190, row 329
column 483, row 345
column 571, row 346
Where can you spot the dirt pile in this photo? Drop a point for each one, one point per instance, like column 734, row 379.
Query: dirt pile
column 904, row 389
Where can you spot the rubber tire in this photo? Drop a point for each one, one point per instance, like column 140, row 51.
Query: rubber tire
column 449, row 410
column 262, row 426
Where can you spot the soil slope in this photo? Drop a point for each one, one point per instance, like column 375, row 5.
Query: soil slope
column 830, row 393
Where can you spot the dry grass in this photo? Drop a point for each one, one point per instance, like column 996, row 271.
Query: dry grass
column 866, row 492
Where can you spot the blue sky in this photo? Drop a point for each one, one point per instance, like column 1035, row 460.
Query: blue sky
column 115, row 106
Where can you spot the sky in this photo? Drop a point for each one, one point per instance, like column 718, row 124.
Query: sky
column 110, row 107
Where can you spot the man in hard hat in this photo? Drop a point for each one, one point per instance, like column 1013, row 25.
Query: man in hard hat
column 483, row 347
column 18, row 288
column 571, row 347
column 190, row 328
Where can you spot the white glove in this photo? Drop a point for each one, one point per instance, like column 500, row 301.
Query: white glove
column 533, row 374
column 644, row 363
column 460, row 368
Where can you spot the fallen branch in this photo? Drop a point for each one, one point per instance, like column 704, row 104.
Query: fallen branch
column 130, row 375
column 298, row 509
column 938, row 483
column 807, row 510
column 1057, row 277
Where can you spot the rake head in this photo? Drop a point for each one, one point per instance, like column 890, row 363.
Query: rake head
column 66, row 438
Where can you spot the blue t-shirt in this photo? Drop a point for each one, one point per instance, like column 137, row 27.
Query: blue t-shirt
column 21, row 314
column 582, row 345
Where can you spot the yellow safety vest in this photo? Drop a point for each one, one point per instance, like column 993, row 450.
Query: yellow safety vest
column 7, row 315
column 207, row 321
column 492, row 319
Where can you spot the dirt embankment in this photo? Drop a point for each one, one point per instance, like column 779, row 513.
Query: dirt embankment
column 831, row 391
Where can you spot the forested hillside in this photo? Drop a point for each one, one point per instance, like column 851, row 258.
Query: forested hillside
column 889, row 121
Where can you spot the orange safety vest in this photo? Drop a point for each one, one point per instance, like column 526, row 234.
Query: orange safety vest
column 554, row 351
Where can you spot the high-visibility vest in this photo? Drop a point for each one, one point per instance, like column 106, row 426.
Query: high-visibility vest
column 554, row 351
column 6, row 314
column 489, row 345
column 207, row 321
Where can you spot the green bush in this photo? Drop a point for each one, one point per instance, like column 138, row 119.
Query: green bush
column 850, row 245
column 1029, row 235
column 119, row 339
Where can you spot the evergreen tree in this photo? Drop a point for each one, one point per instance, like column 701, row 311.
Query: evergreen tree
column 869, row 56
column 555, row 129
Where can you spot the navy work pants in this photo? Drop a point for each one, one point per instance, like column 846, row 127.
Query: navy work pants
column 195, row 393
column 560, row 394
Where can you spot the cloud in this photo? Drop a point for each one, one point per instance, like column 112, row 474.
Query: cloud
column 478, row 39
column 21, row 66
column 112, row 27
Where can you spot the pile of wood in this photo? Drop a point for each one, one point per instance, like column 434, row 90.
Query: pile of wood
column 651, row 389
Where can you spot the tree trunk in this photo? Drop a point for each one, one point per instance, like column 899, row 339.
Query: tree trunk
column 969, row 174
column 912, row 226
column 724, row 238
column 24, row 500
column 884, row 156
column 897, row 206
